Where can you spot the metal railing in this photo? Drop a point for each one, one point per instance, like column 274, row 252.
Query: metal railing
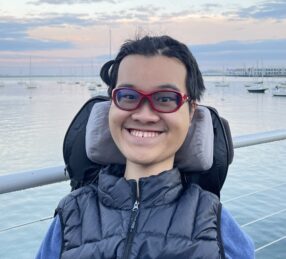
column 29, row 179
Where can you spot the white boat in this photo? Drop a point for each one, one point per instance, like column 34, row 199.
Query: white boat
column 99, row 91
column 279, row 90
column 21, row 82
column 221, row 84
column 30, row 84
column 94, row 86
column 257, row 86
column 91, row 87
column 281, row 85
column 257, row 89
column 60, row 82
column 253, row 84
column 257, row 79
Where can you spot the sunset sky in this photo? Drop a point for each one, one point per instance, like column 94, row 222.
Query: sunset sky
column 73, row 36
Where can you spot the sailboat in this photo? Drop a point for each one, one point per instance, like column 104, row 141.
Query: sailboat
column 279, row 90
column 97, row 88
column 30, row 84
column 222, row 83
column 2, row 83
column 257, row 89
column 258, row 85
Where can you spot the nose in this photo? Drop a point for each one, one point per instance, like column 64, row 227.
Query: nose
column 145, row 113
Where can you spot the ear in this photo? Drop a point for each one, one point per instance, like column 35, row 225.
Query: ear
column 193, row 107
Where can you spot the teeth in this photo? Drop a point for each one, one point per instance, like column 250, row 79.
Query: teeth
column 144, row 134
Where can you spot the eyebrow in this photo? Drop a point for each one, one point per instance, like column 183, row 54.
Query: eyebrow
column 169, row 86
column 163, row 86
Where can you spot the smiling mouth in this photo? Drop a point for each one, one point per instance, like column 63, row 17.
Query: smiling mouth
column 144, row 134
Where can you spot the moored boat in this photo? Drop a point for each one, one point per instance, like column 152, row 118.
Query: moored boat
column 279, row 90
column 221, row 84
column 257, row 89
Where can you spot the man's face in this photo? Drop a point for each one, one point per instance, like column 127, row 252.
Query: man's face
column 144, row 136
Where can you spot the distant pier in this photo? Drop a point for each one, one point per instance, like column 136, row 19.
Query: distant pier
column 257, row 72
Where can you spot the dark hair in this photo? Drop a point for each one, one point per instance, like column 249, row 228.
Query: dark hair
column 157, row 45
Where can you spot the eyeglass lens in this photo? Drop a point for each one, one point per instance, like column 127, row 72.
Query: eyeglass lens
column 164, row 101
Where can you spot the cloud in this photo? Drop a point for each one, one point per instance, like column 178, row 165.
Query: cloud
column 10, row 25
column 15, row 33
column 269, row 9
column 69, row 2
column 27, row 44
column 210, row 7
column 148, row 10
column 143, row 14
column 12, row 29
column 54, row 19
column 238, row 46
column 239, row 52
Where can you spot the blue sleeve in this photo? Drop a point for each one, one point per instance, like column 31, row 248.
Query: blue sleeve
column 237, row 244
column 51, row 245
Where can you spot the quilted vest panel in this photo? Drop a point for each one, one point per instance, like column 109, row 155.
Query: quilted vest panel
column 184, row 227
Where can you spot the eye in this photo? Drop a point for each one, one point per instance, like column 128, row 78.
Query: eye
column 164, row 99
column 127, row 95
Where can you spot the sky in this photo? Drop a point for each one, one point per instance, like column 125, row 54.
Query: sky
column 61, row 37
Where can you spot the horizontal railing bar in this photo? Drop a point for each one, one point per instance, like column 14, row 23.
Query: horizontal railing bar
column 259, row 138
column 253, row 193
column 262, row 218
column 25, row 224
column 29, row 179
column 270, row 243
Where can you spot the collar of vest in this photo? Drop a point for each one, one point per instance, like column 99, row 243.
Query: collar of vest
column 117, row 192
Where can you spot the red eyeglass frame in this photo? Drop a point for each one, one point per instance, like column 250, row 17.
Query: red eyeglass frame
column 148, row 96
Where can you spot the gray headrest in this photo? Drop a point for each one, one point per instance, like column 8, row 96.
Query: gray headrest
column 196, row 153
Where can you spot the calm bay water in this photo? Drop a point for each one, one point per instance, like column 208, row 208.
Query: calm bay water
column 32, row 127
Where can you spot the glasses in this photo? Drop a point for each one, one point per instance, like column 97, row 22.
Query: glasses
column 165, row 101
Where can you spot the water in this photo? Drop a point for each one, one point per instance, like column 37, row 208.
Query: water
column 32, row 127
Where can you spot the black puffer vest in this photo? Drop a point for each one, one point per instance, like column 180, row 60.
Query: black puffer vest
column 104, row 220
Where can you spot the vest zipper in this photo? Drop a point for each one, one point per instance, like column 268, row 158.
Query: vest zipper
column 130, row 235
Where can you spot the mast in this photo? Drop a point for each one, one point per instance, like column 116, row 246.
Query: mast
column 109, row 43
column 30, row 71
